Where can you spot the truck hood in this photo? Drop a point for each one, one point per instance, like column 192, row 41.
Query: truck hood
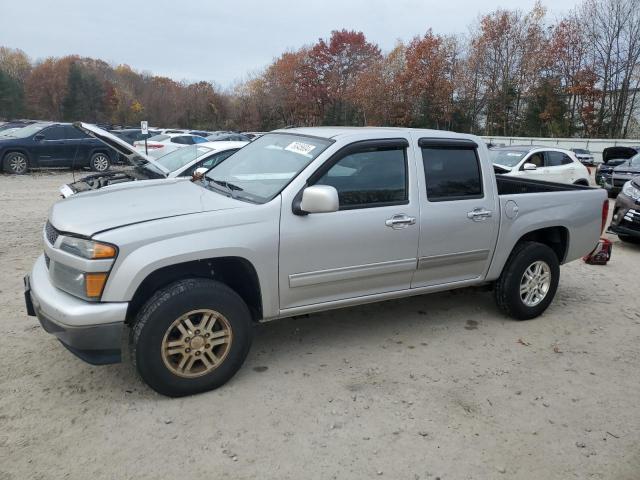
column 134, row 202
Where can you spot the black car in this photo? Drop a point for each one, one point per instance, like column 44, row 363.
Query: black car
column 43, row 145
column 611, row 158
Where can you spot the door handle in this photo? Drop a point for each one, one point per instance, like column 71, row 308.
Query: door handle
column 400, row 220
column 479, row 214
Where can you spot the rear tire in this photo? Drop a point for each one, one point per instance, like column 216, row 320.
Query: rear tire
column 523, row 290
column 16, row 163
column 190, row 337
column 100, row 162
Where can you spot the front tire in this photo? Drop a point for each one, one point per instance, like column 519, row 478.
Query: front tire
column 190, row 337
column 16, row 163
column 100, row 162
column 528, row 282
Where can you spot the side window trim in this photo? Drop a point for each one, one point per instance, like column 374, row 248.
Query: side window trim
column 357, row 147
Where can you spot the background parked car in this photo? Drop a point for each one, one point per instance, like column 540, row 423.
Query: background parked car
column 228, row 137
column 15, row 124
column 132, row 135
column 42, row 145
column 585, row 156
column 611, row 158
column 179, row 163
column 626, row 212
column 162, row 144
column 200, row 133
column 540, row 163
column 622, row 174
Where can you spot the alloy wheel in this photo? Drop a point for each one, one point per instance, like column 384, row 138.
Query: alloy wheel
column 18, row 163
column 535, row 283
column 100, row 163
column 196, row 343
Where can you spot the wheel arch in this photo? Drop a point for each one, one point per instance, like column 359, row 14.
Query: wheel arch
column 556, row 238
column 237, row 273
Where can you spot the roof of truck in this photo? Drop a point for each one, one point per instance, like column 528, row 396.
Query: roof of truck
column 334, row 132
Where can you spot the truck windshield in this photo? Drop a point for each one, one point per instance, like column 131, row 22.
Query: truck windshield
column 508, row 158
column 259, row 171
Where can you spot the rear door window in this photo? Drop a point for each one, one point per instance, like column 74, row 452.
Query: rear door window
column 556, row 159
column 56, row 132
column 451, row 173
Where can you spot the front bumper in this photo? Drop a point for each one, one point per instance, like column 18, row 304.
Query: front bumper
column 626, row 217
column 92, row 331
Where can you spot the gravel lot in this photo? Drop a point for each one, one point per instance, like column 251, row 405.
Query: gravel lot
column 434, row 386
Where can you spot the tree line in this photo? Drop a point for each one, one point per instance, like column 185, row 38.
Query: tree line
column 514, row 73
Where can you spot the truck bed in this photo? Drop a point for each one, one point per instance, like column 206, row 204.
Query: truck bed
column 514, row 186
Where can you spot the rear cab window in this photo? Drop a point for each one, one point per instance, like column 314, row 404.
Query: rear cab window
column 452, row 169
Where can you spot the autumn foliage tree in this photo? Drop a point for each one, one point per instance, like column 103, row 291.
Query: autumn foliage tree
column 514, row 73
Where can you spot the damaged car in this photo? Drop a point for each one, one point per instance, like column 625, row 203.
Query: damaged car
column 179, row 163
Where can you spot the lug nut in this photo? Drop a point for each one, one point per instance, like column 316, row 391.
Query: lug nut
column 197, row 332
column 207, row 345
column 187, row 339
column 206, row 335
column 197, row 354
column 187, row 350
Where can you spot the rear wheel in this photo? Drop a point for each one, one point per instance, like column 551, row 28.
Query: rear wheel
column 99, row 162
column 190, row 337
column 529, row 281
column 16, row 163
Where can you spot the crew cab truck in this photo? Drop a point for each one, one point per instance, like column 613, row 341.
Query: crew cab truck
column 301, row 220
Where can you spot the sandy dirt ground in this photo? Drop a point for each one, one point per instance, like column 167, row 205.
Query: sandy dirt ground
column 439, row 386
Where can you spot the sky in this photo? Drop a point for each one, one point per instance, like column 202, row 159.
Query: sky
column 222, row 40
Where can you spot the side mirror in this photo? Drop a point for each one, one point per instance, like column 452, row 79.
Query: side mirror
column 38, row 137
column 319, row 199
column 529, row 166
column 199, row 173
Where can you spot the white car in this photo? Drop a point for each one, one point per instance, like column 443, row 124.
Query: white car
column 159, row 145
column 180, row 163
column 540, row 163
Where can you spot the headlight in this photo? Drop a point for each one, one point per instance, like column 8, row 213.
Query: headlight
column 87, row 248
column 630, row 190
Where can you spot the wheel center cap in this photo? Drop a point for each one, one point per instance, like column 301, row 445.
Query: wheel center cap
column 197, row 343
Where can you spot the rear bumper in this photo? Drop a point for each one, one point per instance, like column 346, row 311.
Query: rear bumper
column 91, row 331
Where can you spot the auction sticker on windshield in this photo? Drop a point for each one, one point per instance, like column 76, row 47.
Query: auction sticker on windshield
column 300, row 147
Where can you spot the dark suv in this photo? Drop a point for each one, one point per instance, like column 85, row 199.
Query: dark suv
column 43, row 145
column 611, row 158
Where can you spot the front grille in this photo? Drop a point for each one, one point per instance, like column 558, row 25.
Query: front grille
column 51, row 233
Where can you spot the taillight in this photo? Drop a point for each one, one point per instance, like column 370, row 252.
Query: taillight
column 605, row 215
column 152, row 147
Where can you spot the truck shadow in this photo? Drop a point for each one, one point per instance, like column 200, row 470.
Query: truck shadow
column 419, row 319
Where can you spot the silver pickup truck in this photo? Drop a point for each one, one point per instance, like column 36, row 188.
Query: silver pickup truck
column 299, row 221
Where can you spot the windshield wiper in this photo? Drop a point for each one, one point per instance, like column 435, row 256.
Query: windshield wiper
column 229, row 186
